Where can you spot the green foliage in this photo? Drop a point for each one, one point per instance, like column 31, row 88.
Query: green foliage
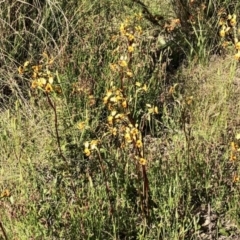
column 118, row 120
column 200, row 25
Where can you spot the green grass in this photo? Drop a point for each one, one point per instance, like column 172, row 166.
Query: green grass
column 50, row 189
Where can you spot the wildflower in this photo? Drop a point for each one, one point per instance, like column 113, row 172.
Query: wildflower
column 87, row 152
column 45, row 55
column 26, row 64
column 5, row 193
column 235, row 178
column 222, row 33
column 237, row 55
column 48, row 88
column 42, row 81
column 234, row 146
column 113, row 99
column 105, row 100
column 119, row 116
column 233, row 157
column 233, row 20
column 138, row 29
column 130, row 36
column 93, row 144
column 34, row 75
column 234, row 149
column 124, row 104
column 118, row 98
column 37, row 68
column 138, row 16
column 129, row 73
column 48, row 73
column 189, row 100
column 156, row 110
column 110, row 120
column 130, row 49
column 51, row 60
column 139, row 144
column 34, row 84
column 238, row 136
column 153, row 109
column 225, row 44
column 86, row 144
column 227, row 29
column 148, row 105
column 118, row 92
column 50, row 80
column 21, row 70
column 122, row 28
column 113, row 113
column 237, row 45
column 113, row 131
column 122, row 63
column 128, row 138
column 123, row 58
column 91, row 100
column 77, row 88
column 144, row 88
column 134, row 131
column 81, row 125
column 142, row 161
column 138, row 84
column 113, row 67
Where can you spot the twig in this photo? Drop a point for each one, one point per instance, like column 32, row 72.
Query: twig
column 53, row 106
column 148, row 15
column 3, row 231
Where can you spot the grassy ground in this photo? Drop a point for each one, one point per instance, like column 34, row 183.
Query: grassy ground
column 119, row 120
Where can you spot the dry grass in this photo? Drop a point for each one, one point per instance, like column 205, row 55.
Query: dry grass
column 50, row 190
